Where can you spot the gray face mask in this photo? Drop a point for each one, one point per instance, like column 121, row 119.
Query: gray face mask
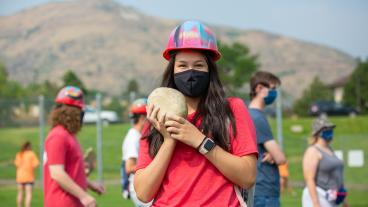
column 192, row 83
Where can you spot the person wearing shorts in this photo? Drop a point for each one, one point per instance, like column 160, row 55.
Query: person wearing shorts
column 25, row 161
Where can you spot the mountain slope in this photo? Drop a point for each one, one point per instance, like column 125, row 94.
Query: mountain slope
column 107, row 44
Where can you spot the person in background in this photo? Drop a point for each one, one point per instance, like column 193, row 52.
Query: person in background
column 322, row 169
column 263, row 92
column 65, row 182
column 25, row 161
column 130, row 148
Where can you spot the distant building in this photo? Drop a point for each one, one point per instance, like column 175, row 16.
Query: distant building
column 338, row 88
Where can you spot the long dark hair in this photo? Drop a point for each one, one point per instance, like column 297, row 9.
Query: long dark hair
column 213, row 108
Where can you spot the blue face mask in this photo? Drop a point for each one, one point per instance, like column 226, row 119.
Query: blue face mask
column 270, row 98
column 327, row 135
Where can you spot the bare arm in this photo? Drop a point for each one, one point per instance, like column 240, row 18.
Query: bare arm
column 310, row 163
column 58, row 174
column 275, row 151
column 17, row 161
column 147, row 181
column 130, row 165
column 35, row 161
column 96, row 187
column 239, row 170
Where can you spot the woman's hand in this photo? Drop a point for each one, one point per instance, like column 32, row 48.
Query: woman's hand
column 157, row 122
column 96, row 187
column 267, row 157
column 88, row 201
column 184, row 131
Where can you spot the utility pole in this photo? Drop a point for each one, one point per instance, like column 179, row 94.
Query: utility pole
column 99, row 138
column 41, row 119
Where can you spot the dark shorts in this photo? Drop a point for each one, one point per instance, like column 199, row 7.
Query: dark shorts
column 27, row 183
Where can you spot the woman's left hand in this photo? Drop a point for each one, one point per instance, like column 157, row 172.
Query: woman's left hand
column 184, row 131
column 96, row 187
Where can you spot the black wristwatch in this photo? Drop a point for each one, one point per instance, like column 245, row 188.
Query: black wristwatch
column 207, row 145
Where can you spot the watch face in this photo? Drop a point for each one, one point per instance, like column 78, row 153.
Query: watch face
column 209, row 144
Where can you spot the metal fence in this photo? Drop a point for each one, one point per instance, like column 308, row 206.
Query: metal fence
column 35, row 111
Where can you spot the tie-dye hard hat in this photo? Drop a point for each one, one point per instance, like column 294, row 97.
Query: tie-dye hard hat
column 192, row 35
column 70, row 95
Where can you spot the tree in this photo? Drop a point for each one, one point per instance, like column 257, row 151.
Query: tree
column 8, row 88
column 316, row 91
column 70, row 78
column 3, row 77
column 116, row 106
column 10, row 92
column 356, row 89
column 236, row 67
column 133, row 86
column 47, row 89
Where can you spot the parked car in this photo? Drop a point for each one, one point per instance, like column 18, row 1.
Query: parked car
column 90, row 116
column 331, row 108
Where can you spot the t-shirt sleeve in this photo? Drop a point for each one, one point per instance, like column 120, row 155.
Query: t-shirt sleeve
column 131, row 148
column 144, row 159
column 244, row 143
column 35, row 161
column 56, row 149
column 263, row 130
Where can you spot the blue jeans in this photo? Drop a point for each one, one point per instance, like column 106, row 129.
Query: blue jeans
column 266, row 201
column 124, row 178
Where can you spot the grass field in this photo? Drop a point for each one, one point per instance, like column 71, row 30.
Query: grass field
column 351, row 133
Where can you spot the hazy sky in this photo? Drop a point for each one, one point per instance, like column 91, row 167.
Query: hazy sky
column 341, row 24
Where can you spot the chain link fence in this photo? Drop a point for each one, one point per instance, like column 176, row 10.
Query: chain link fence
column 25, row 112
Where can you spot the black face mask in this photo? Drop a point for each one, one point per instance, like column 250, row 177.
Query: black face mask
column 192, row 83
column 81, row 118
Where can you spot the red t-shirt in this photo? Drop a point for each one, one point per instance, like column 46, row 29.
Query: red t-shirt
column 192, row 180
column 62, row 148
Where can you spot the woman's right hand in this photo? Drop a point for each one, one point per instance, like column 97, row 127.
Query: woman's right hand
column 157, row 122
column 88, row 201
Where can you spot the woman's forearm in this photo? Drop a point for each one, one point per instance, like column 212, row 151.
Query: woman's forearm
column 67, row 184
column 147, row 181
column 239, row 170
column 312, row 189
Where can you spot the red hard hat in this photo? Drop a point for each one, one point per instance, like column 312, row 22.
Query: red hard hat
column 139, row 106
column 192, row 35
column 70, row 95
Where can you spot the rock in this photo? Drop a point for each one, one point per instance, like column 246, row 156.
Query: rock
column 169, row 100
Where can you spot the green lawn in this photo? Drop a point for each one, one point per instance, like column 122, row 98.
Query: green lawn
column 351, row 133
column 112, row 198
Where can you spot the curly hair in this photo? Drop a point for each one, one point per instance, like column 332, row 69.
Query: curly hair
column 67, row 116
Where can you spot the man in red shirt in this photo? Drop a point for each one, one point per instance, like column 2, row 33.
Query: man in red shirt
column 65, row 181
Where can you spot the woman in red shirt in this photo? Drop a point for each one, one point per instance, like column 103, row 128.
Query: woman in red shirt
column 201, row 160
